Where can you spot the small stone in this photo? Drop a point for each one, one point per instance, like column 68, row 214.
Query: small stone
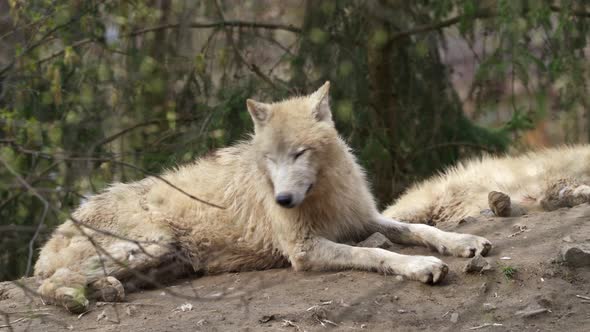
column 487, row 213
column 376, row 240
column 483, row 288
column 577, row 255
column 489, row 307
column 477, row 264
column 568, row 239
column 399, row 278
column 454, row 317
column 130, row 310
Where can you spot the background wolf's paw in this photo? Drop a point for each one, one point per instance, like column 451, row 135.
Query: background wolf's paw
column 465, row 245
column 73, row 299
column 499, row 203
column 581, row 195
column 427, row 269
column 108, row 289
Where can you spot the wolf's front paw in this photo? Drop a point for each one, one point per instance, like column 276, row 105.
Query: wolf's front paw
column 427, row 269
column 464, row 245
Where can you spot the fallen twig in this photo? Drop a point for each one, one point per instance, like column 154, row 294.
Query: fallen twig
column 521, row 229
column 322, row 321
column 27, row 311
column 13, row 322
column 529, row 313
column 287, row 323
column 84, row 313
column 485, row 325
column 583, row 297
column 318, row 305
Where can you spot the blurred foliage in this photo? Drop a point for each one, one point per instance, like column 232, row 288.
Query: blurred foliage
column 93, row 92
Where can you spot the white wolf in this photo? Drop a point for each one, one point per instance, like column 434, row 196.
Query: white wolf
column 290, row 194
column 510, row 186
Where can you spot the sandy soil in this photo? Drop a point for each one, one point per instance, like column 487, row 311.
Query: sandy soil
column 283, row 300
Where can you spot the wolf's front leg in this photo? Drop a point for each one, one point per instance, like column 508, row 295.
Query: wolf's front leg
column 319, row 254
column 462, row 245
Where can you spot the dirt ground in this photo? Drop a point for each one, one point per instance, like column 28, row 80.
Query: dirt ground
column 530, row 291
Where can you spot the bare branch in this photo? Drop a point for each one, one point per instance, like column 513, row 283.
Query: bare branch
column 41, row 222
column 253, row 67
column 52, row 157
column 577, row 13
column 221, row 24
column 135, row 126
column 478, row 15
column 196, row 25
column 439, row 25
column 452, row 144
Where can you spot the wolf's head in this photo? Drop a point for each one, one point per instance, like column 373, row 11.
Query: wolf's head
column 293, row 140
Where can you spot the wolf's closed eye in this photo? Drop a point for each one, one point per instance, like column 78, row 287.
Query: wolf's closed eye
column 299, row 153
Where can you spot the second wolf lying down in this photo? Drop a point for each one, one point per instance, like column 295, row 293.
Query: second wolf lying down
column 510, row 186
column 291, row 194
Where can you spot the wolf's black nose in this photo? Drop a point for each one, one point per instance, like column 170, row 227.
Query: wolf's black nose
column 285, row 200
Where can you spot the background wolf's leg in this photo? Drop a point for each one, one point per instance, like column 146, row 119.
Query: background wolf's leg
column 462, row 245
column 565, row 193
column 321, row 254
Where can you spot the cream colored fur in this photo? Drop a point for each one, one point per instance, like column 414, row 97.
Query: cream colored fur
column 295, row 150
column 546, row 179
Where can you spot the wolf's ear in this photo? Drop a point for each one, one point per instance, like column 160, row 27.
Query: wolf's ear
column 260, row 112
column 321, row 103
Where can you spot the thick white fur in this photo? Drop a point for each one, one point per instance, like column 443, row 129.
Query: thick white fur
column 545, row 179
column 332, row 205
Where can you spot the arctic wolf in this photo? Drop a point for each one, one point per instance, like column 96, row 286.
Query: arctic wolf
column 291, row 194
column 509, row 186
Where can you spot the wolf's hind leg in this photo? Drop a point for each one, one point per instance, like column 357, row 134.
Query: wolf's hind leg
column 565, row 193
column 124, row 261
column 107, row 289
column 99, row 276
column 461, row 245
column 67, row 288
